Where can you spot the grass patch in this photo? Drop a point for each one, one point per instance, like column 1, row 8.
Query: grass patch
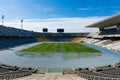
column 61, row 47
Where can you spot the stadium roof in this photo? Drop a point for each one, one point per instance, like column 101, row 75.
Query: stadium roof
column 110, row 21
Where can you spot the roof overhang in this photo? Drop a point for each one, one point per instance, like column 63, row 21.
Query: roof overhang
column 110, row 21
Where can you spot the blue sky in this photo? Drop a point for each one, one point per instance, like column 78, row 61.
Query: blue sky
column 38, row 10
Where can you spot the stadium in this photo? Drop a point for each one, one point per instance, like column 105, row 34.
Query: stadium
column 32, row 55
column 93, row 56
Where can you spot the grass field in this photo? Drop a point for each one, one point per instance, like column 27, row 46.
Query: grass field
column 61, row 47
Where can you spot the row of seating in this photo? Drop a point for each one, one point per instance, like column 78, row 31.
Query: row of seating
column 42, row 39
column 110, row 31
column 10, row 31
column 109, row 44
column 13, row 75
column 11, row 72
column 78, row 39
column 110, row 72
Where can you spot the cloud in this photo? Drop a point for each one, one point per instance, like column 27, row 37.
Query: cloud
column 98, row 8
column 82, row 9
column 90, row 8
column 75, row 24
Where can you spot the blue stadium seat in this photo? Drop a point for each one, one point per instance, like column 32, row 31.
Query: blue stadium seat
column 6, row 43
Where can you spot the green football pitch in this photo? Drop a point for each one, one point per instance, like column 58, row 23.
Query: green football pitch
column 60, row 47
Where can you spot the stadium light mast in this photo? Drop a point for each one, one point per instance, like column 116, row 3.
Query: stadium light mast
column 21, row 23
column 2, row 19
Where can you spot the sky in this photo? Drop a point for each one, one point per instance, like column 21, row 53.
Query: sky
column 72, row 15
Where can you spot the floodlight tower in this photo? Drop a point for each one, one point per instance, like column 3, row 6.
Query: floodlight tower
column 21, row 23
column 2, row 19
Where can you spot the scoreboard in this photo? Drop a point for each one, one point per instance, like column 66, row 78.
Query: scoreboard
column 45, row 29
column 60, row 30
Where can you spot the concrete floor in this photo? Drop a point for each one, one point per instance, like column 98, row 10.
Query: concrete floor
column 51, row 76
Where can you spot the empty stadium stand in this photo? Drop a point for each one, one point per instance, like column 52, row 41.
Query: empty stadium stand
column 78, row 39
column 12, row 72
column 105, row 43
column 100, row 73
column 60, row 36
column 12, row 42
column 42, row 39
column 108, row 35
column 9, row 31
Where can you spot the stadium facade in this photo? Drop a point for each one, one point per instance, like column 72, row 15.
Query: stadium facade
column 108, row 26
